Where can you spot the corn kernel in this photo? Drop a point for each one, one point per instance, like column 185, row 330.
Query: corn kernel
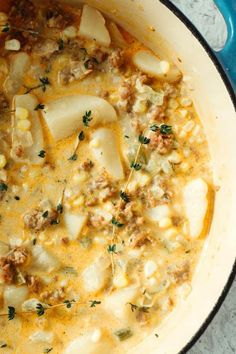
column 165, row 223
column 175, row 157
column 21, row 113
column 120, row 280
column 3, row 161
column 171, row 233
column 24, row 124
column 12, row 44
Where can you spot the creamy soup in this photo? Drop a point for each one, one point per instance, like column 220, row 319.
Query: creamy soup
column 106, row 187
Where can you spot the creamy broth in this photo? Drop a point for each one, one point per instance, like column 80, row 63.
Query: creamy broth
column 106, row 189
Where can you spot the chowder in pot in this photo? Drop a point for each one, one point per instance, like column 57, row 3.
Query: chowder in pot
column 105, row 183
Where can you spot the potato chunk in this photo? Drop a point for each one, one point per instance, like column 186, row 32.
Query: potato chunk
column 151, row 65
column 15, row 296
column 74, row 223
column 196, row 205
column 105, row 151
column 96, row 275
column 92, row 26
column 64, row 116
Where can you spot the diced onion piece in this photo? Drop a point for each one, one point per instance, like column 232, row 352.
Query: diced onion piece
column 96, row 275
column 86, row 345
column 159, row 212
column 64, row 116
column 90, row 18
column 28, row 103
column 196, row 205
column 106, row 152
column 117, row 303
column 42, row 337
column 151, row 65
column 19, row 65
column 15, row 295
column 12, row 44
column 74, row 223
column 70, row 32
column 43, row 260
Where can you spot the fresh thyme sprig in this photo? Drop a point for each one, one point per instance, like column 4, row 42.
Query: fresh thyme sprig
column 44, row 82
column 7, row 28
column 41, row 309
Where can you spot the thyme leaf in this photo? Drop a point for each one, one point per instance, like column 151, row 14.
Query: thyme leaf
column 60, row 44
column 123, row 333
column 60, row 208
column 81, row 136
column 42, row 153
column 111, row 249
column 73, row 157
column 154, row 127
column 94, row 303
column 138, row 308
column 6, row 28
column 69, row 303
column 39, row 106
column 87, row 118
column 11, row 313
column 40, row 310
column 143, row 139
column 116, row 222
column 124, row 196
column 166, row 129
column 47, row 350
column 3, row 187
column 136, row 166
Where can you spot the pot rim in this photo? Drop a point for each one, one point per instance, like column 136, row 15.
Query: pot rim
column 212, row 55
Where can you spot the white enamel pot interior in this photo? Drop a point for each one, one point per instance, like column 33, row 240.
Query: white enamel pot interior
column 211, row 93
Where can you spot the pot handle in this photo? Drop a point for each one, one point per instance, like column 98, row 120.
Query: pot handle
column 227, row 55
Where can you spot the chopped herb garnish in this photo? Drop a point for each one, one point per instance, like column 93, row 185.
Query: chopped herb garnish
column 87, row 118
column 154, row 128
column 69, row 303
column 45, row 214
column 60, row 44
column 42, row 153
column 11, row 313
column 44, row 82
column 94, row 303
column 116, row 222
column 3, row 187
column 73, row 157
column 47, row 350
column 40, row 310
column 111, row 249
column 143, row 139
column 81, row 136
column 136, row 166
column 60, row 208
column 39, row 106
column 16, row 197
column 6, row 28
column 166, row 129
column 125, row 197
column 123, row 333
